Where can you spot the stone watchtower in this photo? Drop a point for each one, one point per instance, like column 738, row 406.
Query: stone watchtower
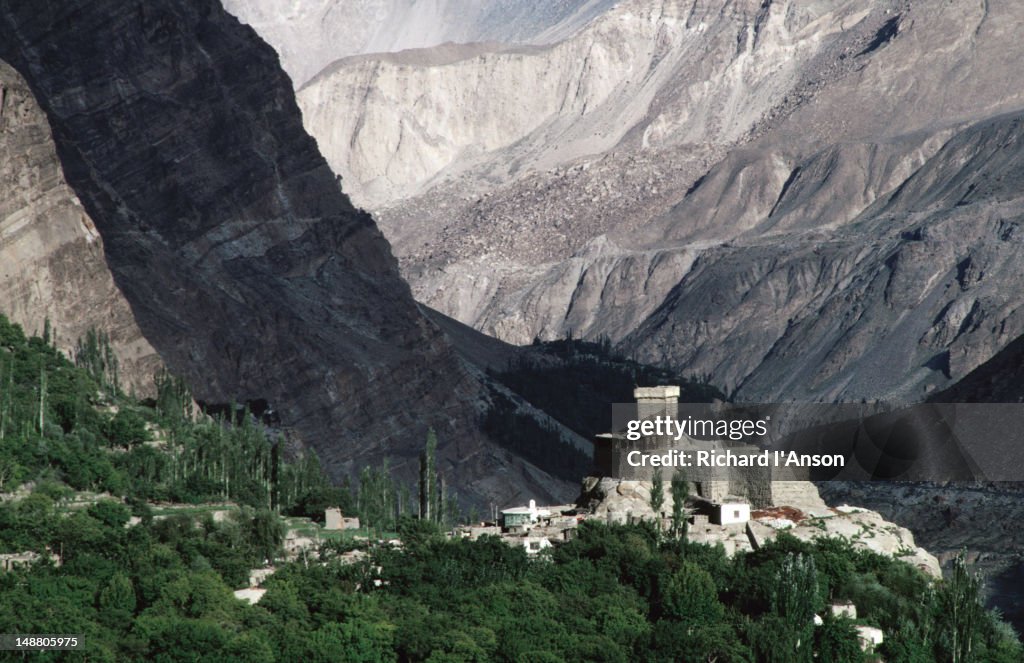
column 612, row 449
column 656, row 401
column 611, row 452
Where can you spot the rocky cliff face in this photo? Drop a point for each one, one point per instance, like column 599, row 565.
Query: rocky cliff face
column 51, row 256
column 311, row 35
column 998, row 380
column 568, row 150
column 665, row 72
column 244, row 264
column 812, row 200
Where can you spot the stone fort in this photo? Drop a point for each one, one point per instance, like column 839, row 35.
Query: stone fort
column 752, row 484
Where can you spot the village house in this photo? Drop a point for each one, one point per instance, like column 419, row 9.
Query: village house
column 335, row 520
column 13, row 561
column 523, row 517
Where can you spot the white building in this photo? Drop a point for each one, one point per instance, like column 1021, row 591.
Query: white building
column 250, row 594
column 869, row 636
column 534, row 544
column 334, row 520
column 845, row 609
column 12, row 561
column 731, row 511
column 523, row 516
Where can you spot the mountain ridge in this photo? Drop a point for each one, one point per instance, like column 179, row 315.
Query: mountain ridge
column 245, row 265
column 789, row 129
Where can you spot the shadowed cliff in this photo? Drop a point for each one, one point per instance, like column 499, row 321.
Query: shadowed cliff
column 244, row 264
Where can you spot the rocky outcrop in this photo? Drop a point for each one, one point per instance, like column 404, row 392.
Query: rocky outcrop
column 798, row 510
column 245, row 265
column 618, row 499
column 980, row 520
column 52, row 265
column 864, row 529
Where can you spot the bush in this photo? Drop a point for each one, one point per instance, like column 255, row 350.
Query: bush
column 110, row 513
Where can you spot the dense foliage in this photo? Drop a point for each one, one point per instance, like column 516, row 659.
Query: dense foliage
column 160, row 591
column 618, row 593
column 71, row 424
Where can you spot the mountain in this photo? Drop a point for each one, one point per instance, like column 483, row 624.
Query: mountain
column 52, row 268
column 810, row 200
column 311, row 35
column 999, row 380
column 243, row 263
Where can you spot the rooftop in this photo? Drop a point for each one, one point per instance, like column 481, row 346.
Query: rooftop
column 660, row 393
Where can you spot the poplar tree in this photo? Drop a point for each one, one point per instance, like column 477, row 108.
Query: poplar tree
column 794, row 600
column 95, row 354
column 428, row 478
column 657, row 496
column 42, row 398
column 959, row 611
column 680, row 492
column 440, row 496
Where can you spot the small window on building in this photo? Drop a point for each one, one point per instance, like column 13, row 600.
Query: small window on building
column 534, row 545
column 736, row 514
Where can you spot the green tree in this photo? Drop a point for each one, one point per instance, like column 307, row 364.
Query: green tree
column 690, row 595
column 250, row 648
column 283, row 600
column 795, row 595
column 173, row 397
column 836, row 641
column 110, row 513
column 267, row 534
column 907, row 645
column 428, row 478
column 116, row 602
column 126, row 429
column 795, row 599
column 95, row 354
column 657, row 496
column 680, row 493
column 417, row 533
column 959, row 612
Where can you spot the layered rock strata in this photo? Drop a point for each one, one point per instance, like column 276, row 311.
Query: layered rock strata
column 52, row 265
column 245, row 265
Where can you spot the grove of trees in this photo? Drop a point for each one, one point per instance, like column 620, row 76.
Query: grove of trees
column 160, row 589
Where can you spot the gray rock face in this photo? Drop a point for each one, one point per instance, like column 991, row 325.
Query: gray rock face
column 51, row 256
column 811, row 200
column 245, row 265
column 651, row 74
column 311, row 35
column 917, row 289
